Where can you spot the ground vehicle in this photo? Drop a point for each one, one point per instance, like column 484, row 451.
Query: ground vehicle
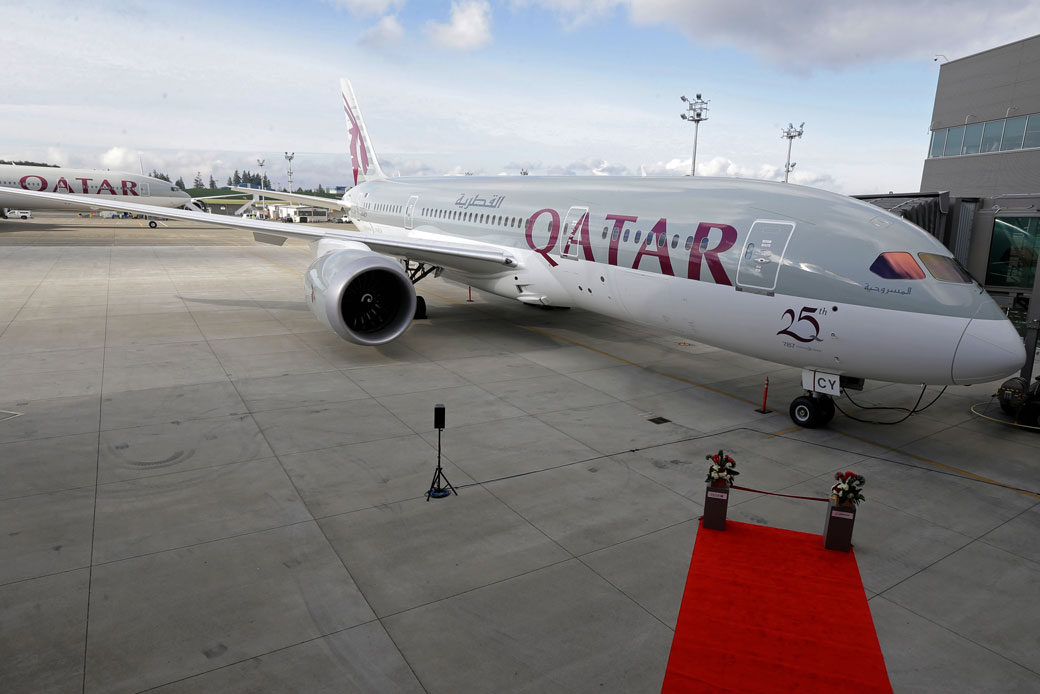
column 19, row 214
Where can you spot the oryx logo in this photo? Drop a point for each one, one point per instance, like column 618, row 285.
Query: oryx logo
column 358, row 152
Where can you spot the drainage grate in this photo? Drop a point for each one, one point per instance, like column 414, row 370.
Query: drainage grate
column 659, row 420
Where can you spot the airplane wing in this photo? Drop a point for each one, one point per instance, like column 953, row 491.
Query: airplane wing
column 467, row 257
column 312, row 200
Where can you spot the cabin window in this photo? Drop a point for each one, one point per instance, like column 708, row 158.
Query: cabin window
column 689, row 242
column 945, row 268
column 625, row 237
column 605, row 232
column 649, row 238
column 897, row 266
column 662, row 240
column 614, row 235
column 675, row 241
column 638, row 234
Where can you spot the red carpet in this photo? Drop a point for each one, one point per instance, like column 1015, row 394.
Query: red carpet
column 770, row 610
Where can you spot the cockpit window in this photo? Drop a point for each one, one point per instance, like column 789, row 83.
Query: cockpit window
column 897, row 265
column 944, row 268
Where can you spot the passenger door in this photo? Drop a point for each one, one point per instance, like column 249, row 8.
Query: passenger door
column 763, row 254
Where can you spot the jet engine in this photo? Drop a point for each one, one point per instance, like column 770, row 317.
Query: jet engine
column 362, row 296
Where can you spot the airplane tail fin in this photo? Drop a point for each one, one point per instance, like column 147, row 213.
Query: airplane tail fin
column 362, row 156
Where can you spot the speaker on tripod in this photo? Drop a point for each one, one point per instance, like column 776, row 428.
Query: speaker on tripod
column 440, row 487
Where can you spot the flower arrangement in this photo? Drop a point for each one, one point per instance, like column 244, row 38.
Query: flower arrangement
column 848, row 491
column 722, row 470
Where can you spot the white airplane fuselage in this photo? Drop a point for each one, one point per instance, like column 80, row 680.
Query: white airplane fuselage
column 771, row 270
column 85, row 186
column 801, row 277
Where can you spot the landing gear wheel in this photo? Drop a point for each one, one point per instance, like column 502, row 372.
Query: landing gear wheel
column 826, row 410
column 420, row 308
column 806, row 412
column 1029, row 415
column 153, row 224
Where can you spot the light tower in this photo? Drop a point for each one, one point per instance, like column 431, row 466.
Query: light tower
column 289, row 157
column 260, row 162
column 696, row 111
column 790, row 133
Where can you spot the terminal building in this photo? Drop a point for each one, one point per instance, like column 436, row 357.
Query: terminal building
column 980, row 189
column 983, row 164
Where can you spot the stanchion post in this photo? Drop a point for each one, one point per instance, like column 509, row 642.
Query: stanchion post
column 765, row 395
column 716, row 503
column 837, row 529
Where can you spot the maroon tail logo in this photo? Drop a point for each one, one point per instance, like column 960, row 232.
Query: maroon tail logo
column 358, row 153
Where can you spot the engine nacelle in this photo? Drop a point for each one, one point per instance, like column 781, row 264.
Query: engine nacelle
column 364, row 297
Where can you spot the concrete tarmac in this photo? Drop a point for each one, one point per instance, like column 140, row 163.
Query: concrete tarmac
column 204, row 490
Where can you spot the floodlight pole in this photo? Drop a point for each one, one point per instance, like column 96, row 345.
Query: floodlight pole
column 696, row 111
column 790, row 133
column 289, row 157
column 261, row 163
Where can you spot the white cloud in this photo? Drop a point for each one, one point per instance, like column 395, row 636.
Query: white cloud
column 809, row 34
column 468, row 30
column 589, row 166
column 407, row 167
column 121, row 159
column 574, row 12
column 384, row 33
column 727, row 168
column 367, row 7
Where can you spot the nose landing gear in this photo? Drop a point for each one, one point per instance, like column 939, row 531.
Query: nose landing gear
column 812, row 410
column 1021, row 400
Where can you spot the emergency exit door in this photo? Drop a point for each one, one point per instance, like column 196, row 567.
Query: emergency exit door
column 763, row 254
column 409, row 210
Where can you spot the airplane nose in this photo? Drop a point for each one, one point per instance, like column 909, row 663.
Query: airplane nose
column 988, row 350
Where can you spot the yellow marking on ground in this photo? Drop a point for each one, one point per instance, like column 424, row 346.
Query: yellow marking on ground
column 783, row 431
column 943, row 466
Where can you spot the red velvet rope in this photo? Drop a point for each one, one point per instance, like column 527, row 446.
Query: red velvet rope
column 789, row 496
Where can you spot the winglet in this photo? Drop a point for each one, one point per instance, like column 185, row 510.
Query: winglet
column 362, row 156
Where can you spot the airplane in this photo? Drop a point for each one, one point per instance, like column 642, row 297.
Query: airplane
column 84, row 183
column 829, row 284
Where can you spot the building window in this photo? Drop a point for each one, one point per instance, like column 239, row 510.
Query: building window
column 953, row 141
column 1012, row 252
column 1014, row 129
column 991, row 135
column 938, row 143
column 972, row 139
column 1032, row 132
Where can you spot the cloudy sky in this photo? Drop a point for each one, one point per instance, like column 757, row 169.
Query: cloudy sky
column 553, row 86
